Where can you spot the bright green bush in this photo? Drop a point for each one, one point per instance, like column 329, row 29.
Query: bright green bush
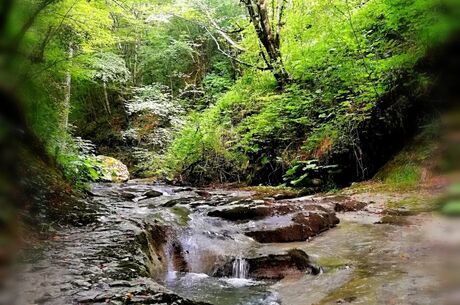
column 200, row 153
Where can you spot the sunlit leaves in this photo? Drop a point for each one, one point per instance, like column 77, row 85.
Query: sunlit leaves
column 109, row 67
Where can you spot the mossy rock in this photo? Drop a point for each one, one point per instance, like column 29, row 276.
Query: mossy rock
column 113, row 170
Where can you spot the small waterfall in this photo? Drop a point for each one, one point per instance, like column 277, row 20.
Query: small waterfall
column 170, row 270
column 240, row 268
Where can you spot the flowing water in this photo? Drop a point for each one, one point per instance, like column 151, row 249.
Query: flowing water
column 363, row 262
column 240, row 268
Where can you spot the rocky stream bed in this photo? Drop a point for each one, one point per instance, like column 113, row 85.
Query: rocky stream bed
column 157, row 244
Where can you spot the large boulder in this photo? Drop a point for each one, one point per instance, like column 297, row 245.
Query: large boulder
column 153, row 194
column 113, row 170
column 252, row 209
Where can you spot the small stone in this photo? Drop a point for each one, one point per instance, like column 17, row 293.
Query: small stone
column 182, row 189
column 283, row 196
column 153, row 194
column 349, row 206
column 202, row 193
column 81, row 283
column 128, row 196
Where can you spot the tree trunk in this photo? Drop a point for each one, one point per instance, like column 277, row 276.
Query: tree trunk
column 68, row 86
column 106, row 99
column 269, row 36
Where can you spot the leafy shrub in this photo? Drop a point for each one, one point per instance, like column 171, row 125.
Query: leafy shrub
column 199, row 153
column 309, row 173
column 78, row 162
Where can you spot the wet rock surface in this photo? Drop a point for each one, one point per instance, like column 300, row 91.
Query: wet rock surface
column 149, row 240
column 274, row 266
column 153, row 194
column 110, row 261
column 242, row 212
column 295, row 227
column 187, row 246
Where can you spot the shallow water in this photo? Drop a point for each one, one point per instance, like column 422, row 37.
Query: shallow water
column 222, row 291
column 362, row 262
column 366, row 264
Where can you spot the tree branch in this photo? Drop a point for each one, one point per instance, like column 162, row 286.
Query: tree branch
column 221, row 31
column 233, row 57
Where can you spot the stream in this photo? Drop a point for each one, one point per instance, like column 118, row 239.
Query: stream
column 158, row 244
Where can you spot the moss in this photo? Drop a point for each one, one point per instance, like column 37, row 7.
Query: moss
column 182, row 214
column 394, row 220
column 405, row 176
column 411, row 205
column 332, row 263
column 270, row 191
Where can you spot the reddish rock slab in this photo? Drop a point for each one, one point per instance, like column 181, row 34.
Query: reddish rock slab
column 301, row 227
column 349, row 205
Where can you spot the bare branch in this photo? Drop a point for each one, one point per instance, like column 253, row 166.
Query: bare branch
column 233, row 57
column 221, row 31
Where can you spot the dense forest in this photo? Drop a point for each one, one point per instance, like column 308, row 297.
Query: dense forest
column 306, row 93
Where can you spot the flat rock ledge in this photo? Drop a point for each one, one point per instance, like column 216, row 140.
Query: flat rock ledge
column 300, row 227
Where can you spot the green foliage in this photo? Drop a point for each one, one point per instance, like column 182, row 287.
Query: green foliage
column 135, row 70
column 78, row 162
column 200, row 153
column 218, row 81
column 346, row 57
column 309, row 173
column 109, row 67
column 80, row 169
column 451, row 204
column 124, row 72
column 451, row 208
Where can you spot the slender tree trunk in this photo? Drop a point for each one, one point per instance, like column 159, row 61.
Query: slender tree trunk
column 135, row 72
column 68, row 87
column 106, row 99
column 269, row 35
